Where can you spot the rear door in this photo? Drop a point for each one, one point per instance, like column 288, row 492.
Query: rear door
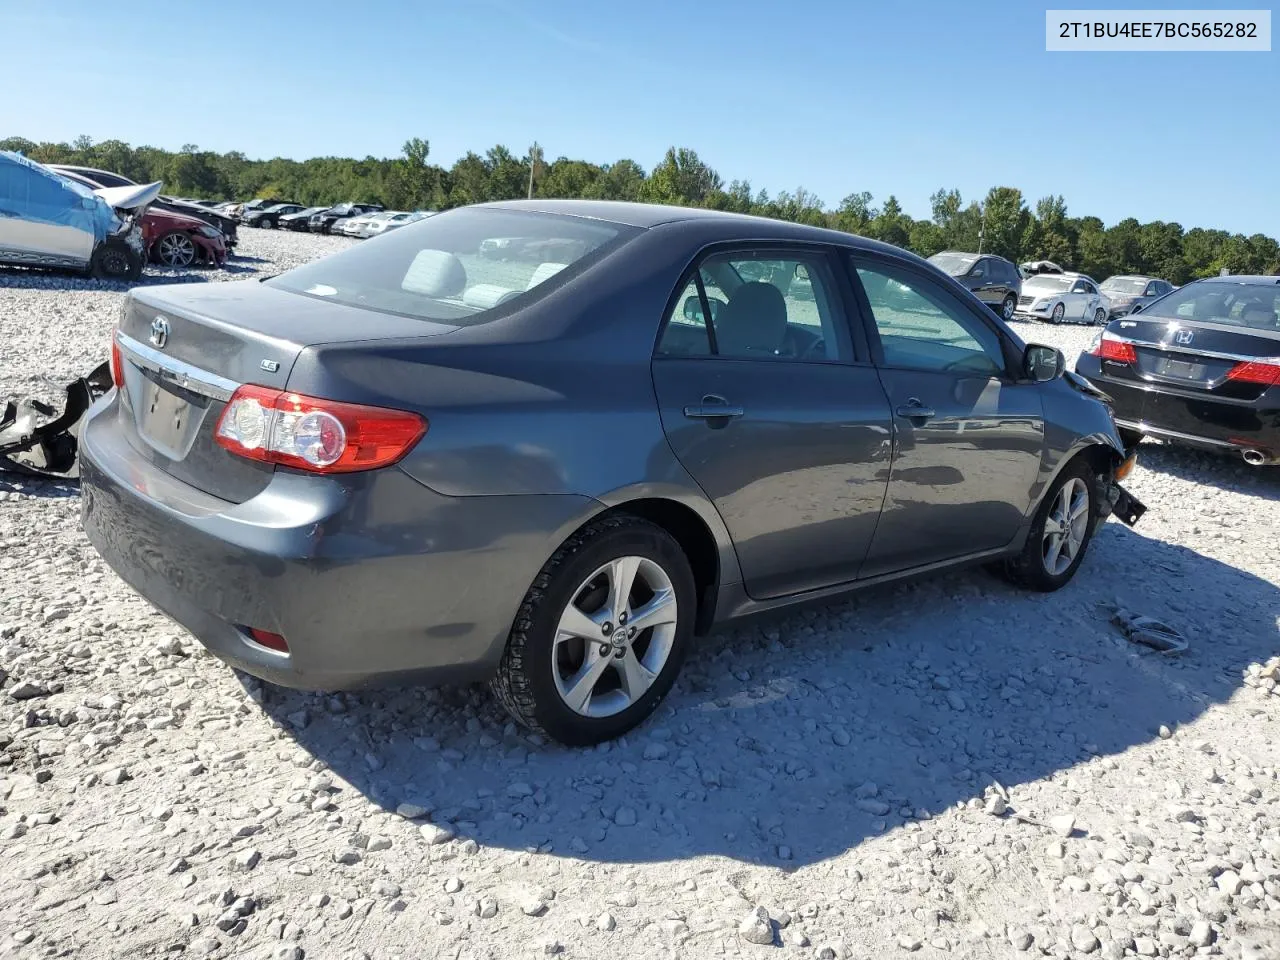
column 968, row 438
column 781, row 422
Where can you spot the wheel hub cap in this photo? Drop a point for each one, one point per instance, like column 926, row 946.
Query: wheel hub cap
column 614, row 637
column 1065, row 527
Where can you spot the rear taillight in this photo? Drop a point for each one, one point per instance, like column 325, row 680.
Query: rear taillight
column 265, row 638
column 321, row 436
column 1265, row 372
column 117, row 362
column 1112, row 348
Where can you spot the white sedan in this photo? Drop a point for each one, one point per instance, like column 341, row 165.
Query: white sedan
column 1061, row 297
column 390, row 221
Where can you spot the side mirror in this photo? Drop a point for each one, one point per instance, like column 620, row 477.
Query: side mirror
column 693, row 309
column 801, row 272
column 1042, row 364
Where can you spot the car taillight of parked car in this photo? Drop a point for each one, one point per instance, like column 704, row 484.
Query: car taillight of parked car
column 1109, row 347
column 1264, row 372
column 117, row 362
column 319, row 436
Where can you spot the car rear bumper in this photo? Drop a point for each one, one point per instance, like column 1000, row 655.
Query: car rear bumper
column 1182, row 417
column 371, row 578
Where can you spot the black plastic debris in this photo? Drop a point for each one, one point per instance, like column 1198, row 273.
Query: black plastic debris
column 36, row 440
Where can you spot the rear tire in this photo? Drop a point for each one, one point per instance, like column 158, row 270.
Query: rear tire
column 1050, row 559
column 115, row 260
column 1010, row 304
column 1099, row 317
column 555, row 680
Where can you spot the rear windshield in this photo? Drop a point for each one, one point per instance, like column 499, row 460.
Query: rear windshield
column 1252, row 305
column 457, row 266
column 1125, row 285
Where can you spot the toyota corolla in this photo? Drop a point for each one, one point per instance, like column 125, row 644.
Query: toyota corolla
column 554, row 469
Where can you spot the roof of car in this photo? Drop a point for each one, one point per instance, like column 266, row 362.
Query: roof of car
column 1250, row 278
column 647, row 215
column 1129, row 276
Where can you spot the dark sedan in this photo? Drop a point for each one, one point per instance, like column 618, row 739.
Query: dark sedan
column 269, row 217
column 993, row 280
column 323, row 221
column 1199, row 366
column 300, row 220
column 411, row 460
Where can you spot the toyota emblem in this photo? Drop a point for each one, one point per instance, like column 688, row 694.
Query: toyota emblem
column 159, row 332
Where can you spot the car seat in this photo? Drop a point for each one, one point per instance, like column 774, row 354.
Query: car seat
column 754, row 321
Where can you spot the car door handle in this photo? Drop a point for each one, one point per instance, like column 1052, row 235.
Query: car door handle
column 713, row 407
column 913, row 409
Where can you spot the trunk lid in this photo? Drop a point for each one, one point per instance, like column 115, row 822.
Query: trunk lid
column 185, row 348
column 1197, row 356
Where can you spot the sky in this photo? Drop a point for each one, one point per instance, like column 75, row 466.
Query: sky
column 836, row 96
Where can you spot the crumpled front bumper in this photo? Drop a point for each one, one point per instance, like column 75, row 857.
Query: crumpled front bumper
column 49, row 448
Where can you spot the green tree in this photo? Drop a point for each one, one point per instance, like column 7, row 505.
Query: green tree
column 681, row 179
column 855, row 214
column 1006, row 219
column 891, row 225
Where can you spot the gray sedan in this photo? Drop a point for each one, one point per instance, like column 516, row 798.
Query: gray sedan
column 555, row 468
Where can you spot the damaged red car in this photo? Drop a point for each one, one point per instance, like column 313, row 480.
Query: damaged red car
column 175, row 240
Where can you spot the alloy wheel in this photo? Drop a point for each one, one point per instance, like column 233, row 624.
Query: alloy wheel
column 1099, row 317
column 1065, row 527
column 177, row 250
column 614, row 636
column 1059, row 311
column 1010, row 305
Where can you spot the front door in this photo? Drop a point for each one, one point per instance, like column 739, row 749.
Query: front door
column 769, row 410
column 968, row 439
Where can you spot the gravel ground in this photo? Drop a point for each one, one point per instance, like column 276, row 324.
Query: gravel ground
column 950, row 767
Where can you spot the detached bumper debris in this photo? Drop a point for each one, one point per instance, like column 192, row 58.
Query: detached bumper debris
column 1149, row 632
column 36, row 440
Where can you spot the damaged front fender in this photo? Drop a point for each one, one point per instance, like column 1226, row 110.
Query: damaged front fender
column 35, row 440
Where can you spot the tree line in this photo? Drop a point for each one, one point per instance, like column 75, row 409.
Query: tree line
column 1008, row 225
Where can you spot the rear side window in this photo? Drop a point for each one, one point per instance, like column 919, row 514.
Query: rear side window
column 762, row 307
column 458, row 267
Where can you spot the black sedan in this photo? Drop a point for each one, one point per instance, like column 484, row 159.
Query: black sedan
column 323, row 222
column 268, row 217
column 299, row 220
column 1199, row 366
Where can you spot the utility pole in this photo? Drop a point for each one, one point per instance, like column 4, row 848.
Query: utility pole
column 535, row 155
column 982, row 230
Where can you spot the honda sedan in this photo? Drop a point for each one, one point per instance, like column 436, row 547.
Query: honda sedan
column 554, row 470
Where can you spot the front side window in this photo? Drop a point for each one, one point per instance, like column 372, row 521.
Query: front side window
column 761, row 307
column 458, row 266
column 922, row 327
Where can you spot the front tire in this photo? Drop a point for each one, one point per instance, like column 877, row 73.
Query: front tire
column 1061, row 532
column 1059, row 311
column 601, row 633
column 175, row 249
column 115, row 260
column 267, row 224
column 1007, row 308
